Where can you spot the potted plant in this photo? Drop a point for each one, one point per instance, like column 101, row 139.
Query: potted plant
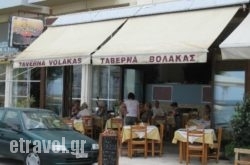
column 240, row 124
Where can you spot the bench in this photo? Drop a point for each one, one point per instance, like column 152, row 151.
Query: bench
column 239, row 152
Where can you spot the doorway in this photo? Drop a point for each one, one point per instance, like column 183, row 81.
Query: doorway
column 133, row 82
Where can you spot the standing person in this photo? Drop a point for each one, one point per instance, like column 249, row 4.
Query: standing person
column 207, row 112
column 75, row 108
column 177, row 115
column 123, row 111
column 206, row 120
column 132, row 106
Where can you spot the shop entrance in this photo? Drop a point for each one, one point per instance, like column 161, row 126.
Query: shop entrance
column 133, row 82
column 63, row 85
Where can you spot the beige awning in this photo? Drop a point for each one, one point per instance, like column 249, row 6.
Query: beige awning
column 237, row 44
column 66, row 45
column 167, row 38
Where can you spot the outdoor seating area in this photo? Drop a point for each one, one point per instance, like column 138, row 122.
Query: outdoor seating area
column 196, row 142
column 144, row 140
column 170, row 156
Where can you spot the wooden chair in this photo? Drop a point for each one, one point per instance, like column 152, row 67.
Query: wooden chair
column 138, row 144
column 88, row 125
column 215, row 151
column 98, row 124
column 194, row 149
column 116, row 124
column 69, row 122
column 156, row 146
column 170, row 127
column 240, row 152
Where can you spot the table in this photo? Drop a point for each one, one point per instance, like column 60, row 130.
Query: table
column 199, row 123
column 159, row 120
column 78, row 125
column 181, row 136
column 152, row 133
column 108, row 124
column 98, row 124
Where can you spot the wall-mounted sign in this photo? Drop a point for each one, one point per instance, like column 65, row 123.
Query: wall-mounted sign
column 23, row 31
column 150, row 59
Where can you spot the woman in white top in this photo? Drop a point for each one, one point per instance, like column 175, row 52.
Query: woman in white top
column 132, row 106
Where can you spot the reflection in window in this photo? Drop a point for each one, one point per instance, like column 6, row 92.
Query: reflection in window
column 77, row 77
column 24, row 80
column 54, row 89
column 106, row 84
column 132, row 83
column 2, row 84
column 229, row 89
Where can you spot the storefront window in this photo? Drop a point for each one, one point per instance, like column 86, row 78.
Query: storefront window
column 106, row 85
column 2, row 84
column 229, row 89
column 54, row 89
column 77, row 77
column 133, row 83
column 25, row 85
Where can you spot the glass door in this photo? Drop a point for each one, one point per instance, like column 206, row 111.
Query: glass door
column 133, row 82
column 54, row 89
column 106, row 86
column 2, row 84
column 229, row 89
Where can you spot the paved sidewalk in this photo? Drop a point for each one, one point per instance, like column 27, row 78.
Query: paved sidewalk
column 170, row 157
column 166, row 159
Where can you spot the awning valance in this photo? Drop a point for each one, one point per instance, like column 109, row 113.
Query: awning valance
column 237, row 44
column 167, row 38
column 66, row 45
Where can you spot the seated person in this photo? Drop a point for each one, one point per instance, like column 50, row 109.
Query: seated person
column 75, row 109
column 101, row 109
column 204, row 122
column 84, row 111
column 141, row 108
column 177, row 116
column 158, row 113
column 147, row 113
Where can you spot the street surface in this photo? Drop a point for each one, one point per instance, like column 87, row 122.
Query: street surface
column 6, row 161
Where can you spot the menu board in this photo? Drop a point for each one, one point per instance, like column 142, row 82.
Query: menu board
column 108, row 143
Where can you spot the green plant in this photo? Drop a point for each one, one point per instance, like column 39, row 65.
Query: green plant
column 229, row 149
column 240, row 124
column 26, row 102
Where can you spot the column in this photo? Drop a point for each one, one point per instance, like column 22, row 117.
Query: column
column 8, row 85
column 86, row 84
